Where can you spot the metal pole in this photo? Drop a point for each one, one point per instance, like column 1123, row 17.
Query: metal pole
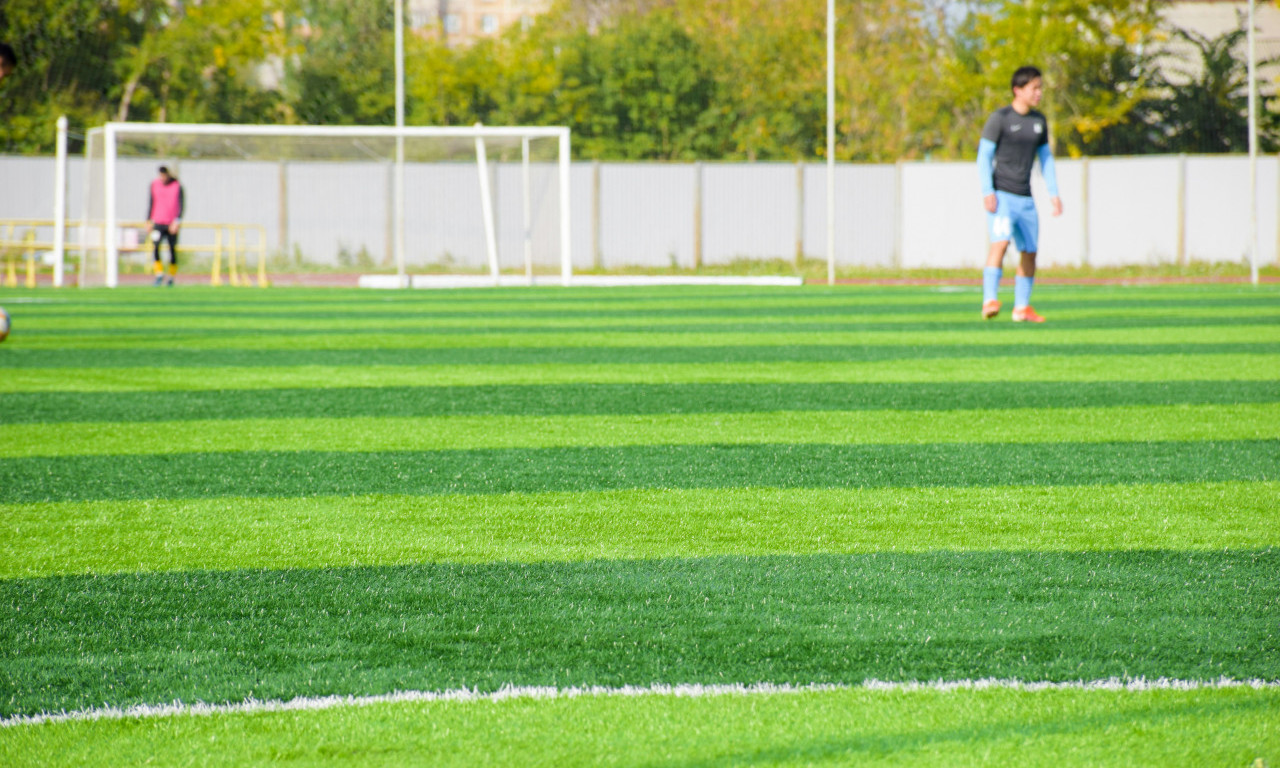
column 566, row 228
column 527, row 212
column 86, row 202
column 831, row 142
column 60, row 204
column 110, row 239
column 398, row 195
column 1253, row 149
column 486, row 209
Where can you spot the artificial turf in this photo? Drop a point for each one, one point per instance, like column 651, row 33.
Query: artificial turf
column 276, row 533
column 529, row 470
column 223, row 494
column 1234, row 727
column 564, row 399
column 1023, row 425
column 232, row 635
column 1015, row 369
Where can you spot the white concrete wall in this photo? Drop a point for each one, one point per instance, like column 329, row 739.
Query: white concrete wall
column 909, row 215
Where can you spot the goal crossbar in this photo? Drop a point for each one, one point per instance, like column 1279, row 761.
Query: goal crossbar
column 113, row 130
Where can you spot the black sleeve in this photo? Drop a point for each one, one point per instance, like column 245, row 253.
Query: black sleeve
column 182, row 200
column 151, row 203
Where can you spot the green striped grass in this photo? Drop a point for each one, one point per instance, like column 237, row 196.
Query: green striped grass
column 224, row 496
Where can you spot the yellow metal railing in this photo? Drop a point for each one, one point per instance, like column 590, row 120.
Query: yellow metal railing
column 231, row 242
column 11, row 247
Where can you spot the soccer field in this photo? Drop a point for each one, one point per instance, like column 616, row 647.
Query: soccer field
column 535, row 512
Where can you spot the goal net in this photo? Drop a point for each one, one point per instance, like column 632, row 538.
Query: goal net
column 488, row 202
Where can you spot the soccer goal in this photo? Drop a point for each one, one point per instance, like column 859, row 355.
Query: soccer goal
column 491, row 203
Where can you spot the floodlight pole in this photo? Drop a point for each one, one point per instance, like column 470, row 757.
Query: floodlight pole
column 831, row 142
column 1253, row 150
column 398, row 193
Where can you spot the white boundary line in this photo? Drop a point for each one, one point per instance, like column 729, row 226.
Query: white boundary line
column 254, row 706
column 579, row 281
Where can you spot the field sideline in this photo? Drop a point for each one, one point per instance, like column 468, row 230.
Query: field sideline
column 1052, row 544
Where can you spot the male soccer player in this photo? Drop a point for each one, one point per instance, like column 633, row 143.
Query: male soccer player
column 164, row 219
column 8, row 60
column 1012, row 139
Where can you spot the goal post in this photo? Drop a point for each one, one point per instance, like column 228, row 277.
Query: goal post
column 342, row 196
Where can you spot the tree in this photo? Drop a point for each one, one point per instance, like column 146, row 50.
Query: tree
column 1089, row 50
column 640, row 89
column 344, row 73
column 61, row 46
column 194, row 62
column 1209, row 111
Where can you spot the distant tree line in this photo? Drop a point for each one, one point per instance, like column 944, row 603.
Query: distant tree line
column 642, row 79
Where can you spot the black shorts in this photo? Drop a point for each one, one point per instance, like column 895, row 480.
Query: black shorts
column 164, row 234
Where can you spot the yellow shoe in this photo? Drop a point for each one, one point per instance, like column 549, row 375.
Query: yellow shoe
column 1026, row 315
column 990, row 309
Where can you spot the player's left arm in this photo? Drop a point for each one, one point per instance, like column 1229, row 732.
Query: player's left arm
column 1050, row 174
column 182, row 206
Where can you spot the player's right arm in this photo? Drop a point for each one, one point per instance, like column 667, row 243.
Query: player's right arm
column 986, row 160
column 986, row 171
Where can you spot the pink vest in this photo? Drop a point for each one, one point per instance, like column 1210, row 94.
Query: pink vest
column 165, row 201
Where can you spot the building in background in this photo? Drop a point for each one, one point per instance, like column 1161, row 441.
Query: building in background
column 461, row 22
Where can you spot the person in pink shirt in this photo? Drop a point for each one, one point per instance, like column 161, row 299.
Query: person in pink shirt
column 164, row 219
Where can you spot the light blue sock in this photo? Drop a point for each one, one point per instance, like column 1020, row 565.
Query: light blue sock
column 1022, row 291
column 991, row 282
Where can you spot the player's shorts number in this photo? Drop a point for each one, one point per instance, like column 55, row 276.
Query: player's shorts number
column 1002, row 227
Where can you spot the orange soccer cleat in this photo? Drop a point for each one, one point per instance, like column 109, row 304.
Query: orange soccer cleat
column 1026, row 315
column 990, row 309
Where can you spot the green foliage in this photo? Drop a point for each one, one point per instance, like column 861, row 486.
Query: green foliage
column 672, row 80
column 344, row 71
column 1088, row 50
column 1209, row 112
column 61, row 47
column 642, row 89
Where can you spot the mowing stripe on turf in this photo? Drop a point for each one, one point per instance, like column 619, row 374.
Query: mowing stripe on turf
column 371, row 434
column 238, row 533
column 639, row 399
column 198, row 325
column 361, row 352
column 227, row 636
column 1091, row 369
column 587, row 304
column 530, row 470
column 683, row 691
column 656, row 345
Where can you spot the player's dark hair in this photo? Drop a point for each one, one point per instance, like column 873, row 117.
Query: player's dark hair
column 7, row 55
column 165, row 170
column 1024, row 75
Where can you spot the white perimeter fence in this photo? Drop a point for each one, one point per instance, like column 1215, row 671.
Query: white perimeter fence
column 1119, row 211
